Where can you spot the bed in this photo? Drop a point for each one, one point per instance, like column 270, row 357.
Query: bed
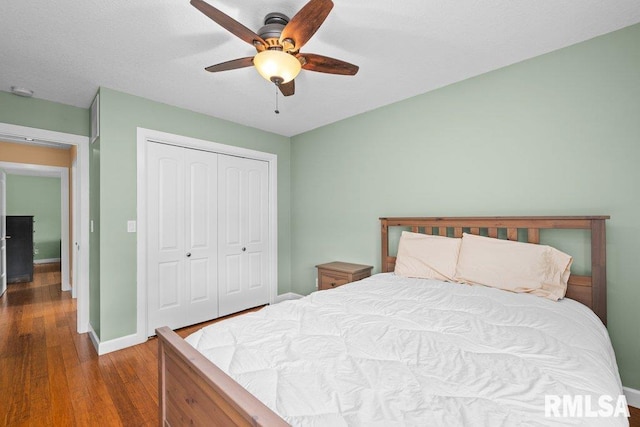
column 417, row 349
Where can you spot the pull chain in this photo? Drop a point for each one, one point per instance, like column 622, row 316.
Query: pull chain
column 277, row 111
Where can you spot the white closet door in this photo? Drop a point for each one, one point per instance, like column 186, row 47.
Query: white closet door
column 201, row 236
column 243, row 219
column 182, row 237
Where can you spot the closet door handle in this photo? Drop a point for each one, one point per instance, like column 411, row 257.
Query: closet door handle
column 188, row 254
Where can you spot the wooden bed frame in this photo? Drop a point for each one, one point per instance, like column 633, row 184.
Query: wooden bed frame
column 193, row 391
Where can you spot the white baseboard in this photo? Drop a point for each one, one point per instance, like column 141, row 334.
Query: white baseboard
column 633, row 396
column 286, row 297
column 114, row 344
column 94, row 338
column 120, row 343
column 46, row 260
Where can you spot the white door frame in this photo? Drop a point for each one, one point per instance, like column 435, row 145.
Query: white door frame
column 51, row 172
column 23, row 134
column 146, row 136
column 3, row 233
column 75, row 228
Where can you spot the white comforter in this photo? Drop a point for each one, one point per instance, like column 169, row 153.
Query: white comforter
column 392, row 351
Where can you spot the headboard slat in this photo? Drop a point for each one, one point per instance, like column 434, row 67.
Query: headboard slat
column 533, row 235
column 589, row 290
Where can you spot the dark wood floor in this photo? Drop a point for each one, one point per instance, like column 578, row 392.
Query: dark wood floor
column 50, row 375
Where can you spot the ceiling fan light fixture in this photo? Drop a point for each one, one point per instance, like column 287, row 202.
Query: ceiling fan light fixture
column 276, row 65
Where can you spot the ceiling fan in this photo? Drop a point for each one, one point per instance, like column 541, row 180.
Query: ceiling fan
column 278, row 44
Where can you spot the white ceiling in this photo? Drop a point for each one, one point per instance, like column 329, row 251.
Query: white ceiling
column 64, row 50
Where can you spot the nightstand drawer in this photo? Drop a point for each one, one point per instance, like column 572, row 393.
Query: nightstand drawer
column 334, row 274
column 332, row 281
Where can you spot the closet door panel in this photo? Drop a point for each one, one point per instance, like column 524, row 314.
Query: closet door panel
column 200, row 272
column 231, row 192
column 166, row 231
column 258, row 229
column 168, row 203
column 230, row 258
column 182, row 237
column 168, row 285
column 243, row 218
column 200, row 199
column 232, row 275
column 256, row 273
column 201, row 191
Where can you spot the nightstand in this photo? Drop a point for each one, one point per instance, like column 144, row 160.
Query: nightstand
column 334, row 274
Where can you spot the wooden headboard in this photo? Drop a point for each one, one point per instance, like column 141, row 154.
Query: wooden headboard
column 589, row 290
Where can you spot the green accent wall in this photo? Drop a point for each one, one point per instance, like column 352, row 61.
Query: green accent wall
column 38, row 113
column 120, row 116
column 555, row 135
column 39, row 197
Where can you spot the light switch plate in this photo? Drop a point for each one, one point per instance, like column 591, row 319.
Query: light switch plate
column 131, row 226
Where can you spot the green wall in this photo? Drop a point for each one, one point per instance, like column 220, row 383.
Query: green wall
column 40, row 197
column 120, row 115
column 38, row 113
column 555, row 135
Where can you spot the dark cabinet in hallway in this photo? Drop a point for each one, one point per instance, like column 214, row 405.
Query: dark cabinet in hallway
column 19, row 249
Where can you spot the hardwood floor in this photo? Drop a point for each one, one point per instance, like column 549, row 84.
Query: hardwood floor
column 50, row 375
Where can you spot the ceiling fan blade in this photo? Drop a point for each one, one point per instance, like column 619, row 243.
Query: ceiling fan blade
column 231, row 65
column 306, row 22
column 228, row 23
column 288, row 89
column 324, row 64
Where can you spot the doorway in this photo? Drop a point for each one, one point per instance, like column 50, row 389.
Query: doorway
column 62, row 174
column 80, row 211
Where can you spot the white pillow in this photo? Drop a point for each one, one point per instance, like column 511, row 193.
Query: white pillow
column 427, row 257
column 514, row 266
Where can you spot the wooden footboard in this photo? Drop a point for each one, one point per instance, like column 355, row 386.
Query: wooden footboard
column 193, row 391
